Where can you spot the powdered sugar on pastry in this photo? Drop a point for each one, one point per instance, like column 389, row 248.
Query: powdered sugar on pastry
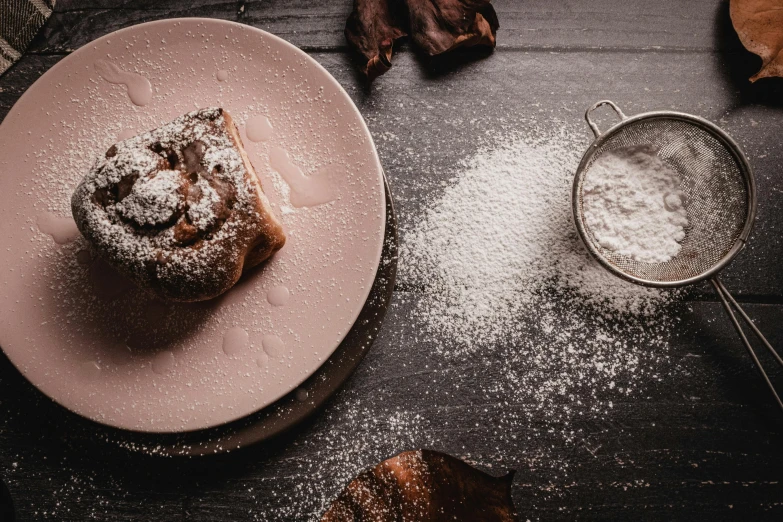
column 153, row 200
column 178, row 209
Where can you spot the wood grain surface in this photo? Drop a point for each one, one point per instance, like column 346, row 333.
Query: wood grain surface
column 702, row 442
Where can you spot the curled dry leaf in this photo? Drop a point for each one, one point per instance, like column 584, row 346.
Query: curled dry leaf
column 425, row 486
column 371, row 29
column 436, row 26
column 759, row 24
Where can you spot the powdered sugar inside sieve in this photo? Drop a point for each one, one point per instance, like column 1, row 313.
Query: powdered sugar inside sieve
column 714, row 180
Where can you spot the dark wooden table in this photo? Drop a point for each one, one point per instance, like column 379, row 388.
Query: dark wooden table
column 703, row 442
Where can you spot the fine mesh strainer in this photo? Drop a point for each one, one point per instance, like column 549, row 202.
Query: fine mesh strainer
column 720, row 200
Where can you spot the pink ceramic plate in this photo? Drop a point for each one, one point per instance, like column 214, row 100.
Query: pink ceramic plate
column 104, row 349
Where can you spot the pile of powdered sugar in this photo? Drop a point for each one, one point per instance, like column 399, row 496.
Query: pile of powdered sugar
column 633, row 204
column 500, row 243
column 497, row 275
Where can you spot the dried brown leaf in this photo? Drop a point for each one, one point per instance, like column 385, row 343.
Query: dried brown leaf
column 425, row 486
column 438, row 26
column 759, row 24
column 371, row 29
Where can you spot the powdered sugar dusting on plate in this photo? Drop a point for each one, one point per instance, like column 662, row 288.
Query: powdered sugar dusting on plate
column 68, row 308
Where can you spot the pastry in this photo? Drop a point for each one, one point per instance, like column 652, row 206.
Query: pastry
column 179, row 209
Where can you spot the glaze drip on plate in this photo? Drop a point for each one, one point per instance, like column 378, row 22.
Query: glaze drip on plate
column 306, row 191
column 258, row 128
column 278, row 296
column 139, row 87
column 273, row 345
column 62, row 229
column 235, row 341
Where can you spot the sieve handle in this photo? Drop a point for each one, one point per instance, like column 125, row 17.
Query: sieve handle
column 728, row 301
column 592, row 124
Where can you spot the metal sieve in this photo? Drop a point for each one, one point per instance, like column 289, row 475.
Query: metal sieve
column 720, row 199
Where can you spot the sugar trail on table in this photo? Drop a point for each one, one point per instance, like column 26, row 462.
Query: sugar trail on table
column 499, row 278
column 500, row 244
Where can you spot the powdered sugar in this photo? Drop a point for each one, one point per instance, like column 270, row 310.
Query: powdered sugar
column 501, row 241
column 508, row 285
column 153, row 200
column 633, row 205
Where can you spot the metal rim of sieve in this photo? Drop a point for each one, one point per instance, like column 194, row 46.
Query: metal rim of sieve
column 706, row 125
